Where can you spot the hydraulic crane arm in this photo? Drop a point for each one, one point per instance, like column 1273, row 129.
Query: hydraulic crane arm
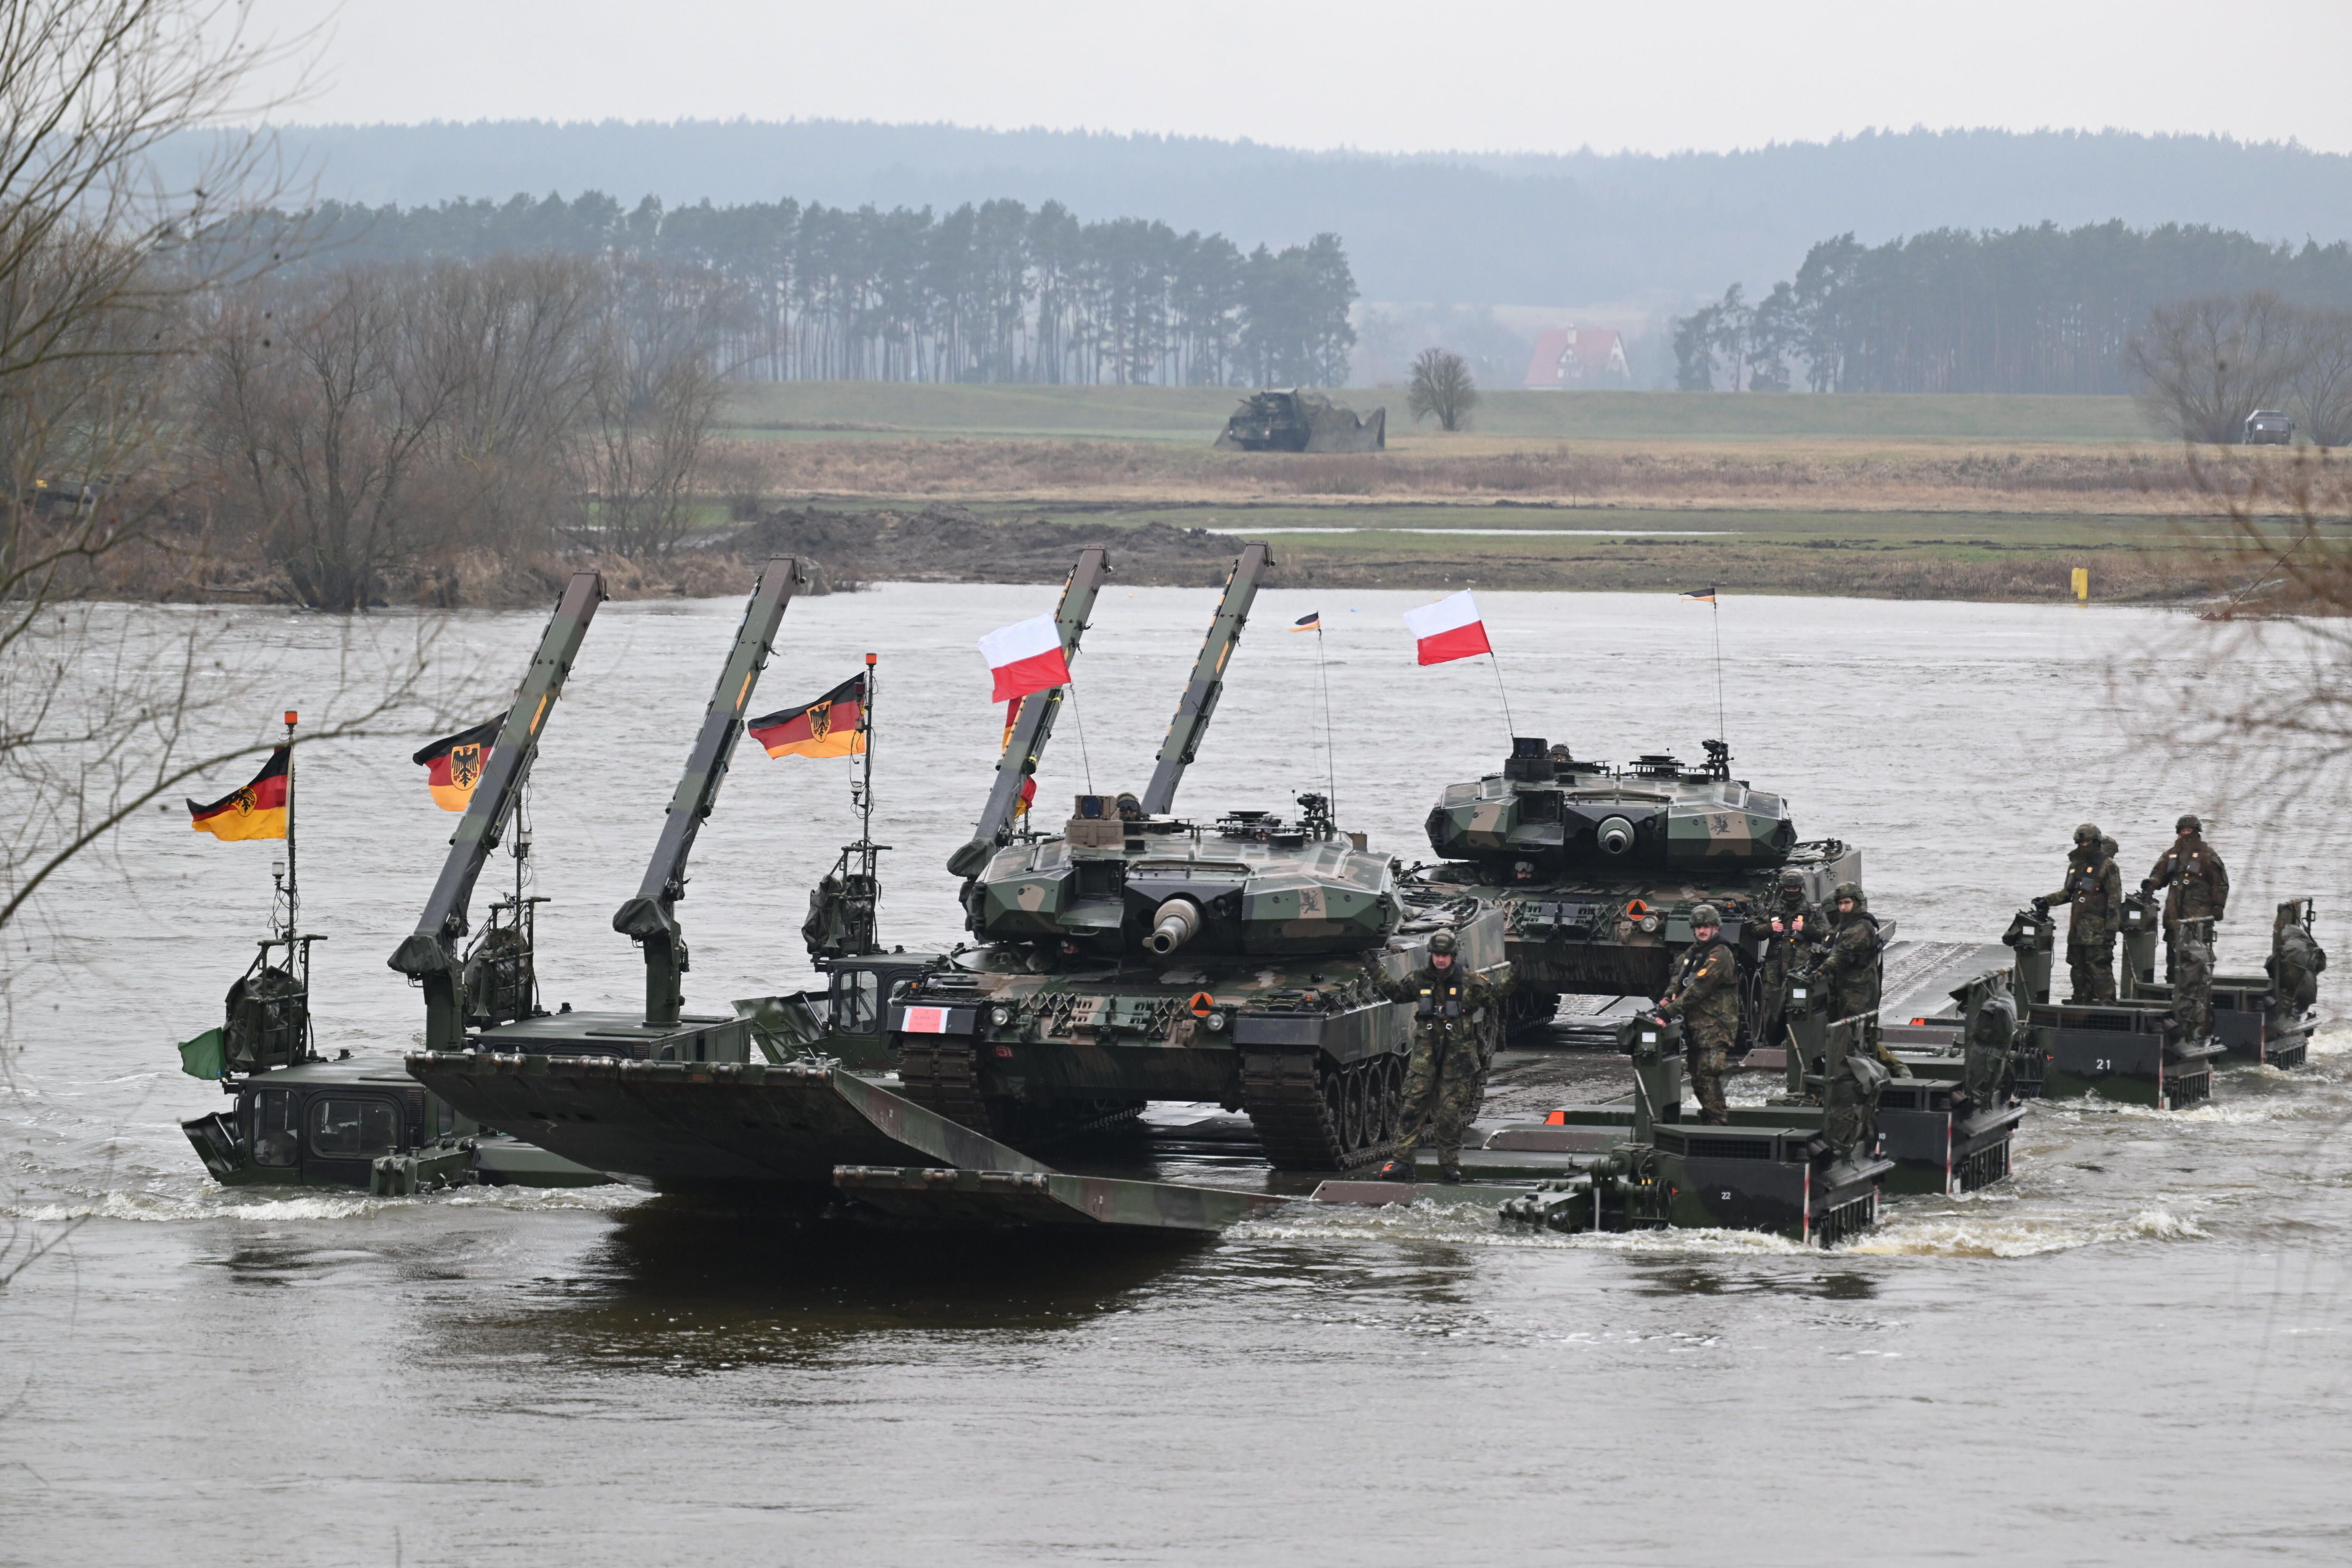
column 1200, row 699
column 651, row 917
column 1036, row 725
column 429, row 953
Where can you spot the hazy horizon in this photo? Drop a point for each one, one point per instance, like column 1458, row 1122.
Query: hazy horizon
column 1495, row 77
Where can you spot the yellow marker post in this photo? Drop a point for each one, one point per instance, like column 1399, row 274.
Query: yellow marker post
column 2082, row 585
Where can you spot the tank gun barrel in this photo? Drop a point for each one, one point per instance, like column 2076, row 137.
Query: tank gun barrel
column 1173, row 924
column 650, row 918
column 1036, row 725
column 429, row 953
column 1200, row 699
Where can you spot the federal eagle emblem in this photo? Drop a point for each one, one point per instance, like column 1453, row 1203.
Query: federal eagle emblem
column 820, row 718
column 244, row 800
column 465, row 765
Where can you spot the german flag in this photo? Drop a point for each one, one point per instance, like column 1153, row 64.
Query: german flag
column 832, row 726
column 454, row 764
column 257, row 811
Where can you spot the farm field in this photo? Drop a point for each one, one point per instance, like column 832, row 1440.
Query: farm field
column 837, row 410
column 1939, row 496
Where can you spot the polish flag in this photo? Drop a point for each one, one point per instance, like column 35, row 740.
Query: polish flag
column 1448, row 629
column 1026, row 657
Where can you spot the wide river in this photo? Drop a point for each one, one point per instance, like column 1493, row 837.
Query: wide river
column 2137, row 1350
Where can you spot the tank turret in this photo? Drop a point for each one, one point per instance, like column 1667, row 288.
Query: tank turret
column 1552, row 813
column 1250, row 884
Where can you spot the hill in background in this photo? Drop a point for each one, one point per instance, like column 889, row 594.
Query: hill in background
column 1641, row 232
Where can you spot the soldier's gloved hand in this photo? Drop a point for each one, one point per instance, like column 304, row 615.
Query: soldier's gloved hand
column 1777, row 926
column 2147, row 884
column 2040, row 906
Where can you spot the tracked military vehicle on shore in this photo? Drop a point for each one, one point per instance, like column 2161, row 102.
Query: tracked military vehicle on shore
column 1597, row 867
column 1139, row 955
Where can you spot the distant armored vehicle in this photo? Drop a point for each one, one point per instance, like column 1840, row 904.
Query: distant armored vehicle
column 1299, row 421
column 2269, row 427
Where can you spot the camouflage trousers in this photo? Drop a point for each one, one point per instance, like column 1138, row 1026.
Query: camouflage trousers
column 2192, row 991
column 1441, row 1091
column 1706, row 1056
column 2091, row 962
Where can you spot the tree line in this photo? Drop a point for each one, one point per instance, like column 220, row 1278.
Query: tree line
column 2034, row 309
column 986, row 292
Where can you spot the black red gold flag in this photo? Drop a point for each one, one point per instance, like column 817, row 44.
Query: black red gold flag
column 453, row 763
column 832, row 726
column 257, row 811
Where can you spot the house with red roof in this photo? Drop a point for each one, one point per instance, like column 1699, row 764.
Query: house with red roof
column 1570, row 358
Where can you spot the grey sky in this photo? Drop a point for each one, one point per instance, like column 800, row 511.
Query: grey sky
column 1520, row 75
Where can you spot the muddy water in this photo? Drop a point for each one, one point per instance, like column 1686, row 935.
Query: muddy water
column 2137, row 1350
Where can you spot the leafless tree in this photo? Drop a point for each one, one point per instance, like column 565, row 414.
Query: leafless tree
column 1441, row 385
column 2319, row 386
column 653, row 394
column 2209, row 362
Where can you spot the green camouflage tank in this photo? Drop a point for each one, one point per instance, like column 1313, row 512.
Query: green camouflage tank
column 1129, row 960
column 1598, row 866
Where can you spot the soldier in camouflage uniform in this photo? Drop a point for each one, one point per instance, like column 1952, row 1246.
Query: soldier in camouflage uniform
column 1450, row 1002
column 1796, row 927
column 2196, row 885
column 1705, row 995
column 1850, row 965
column 2093, row 892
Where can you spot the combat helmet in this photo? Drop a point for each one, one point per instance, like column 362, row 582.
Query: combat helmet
column 1848, row 890
column 1442, row 943
column 2189, row 824
column 1793, row 882
column 1705, row 915
column 2087, row 833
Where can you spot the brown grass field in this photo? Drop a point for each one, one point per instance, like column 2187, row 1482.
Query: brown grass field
column 1986, row 497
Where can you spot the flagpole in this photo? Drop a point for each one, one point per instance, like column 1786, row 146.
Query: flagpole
column 1071, row 686
column 865, row 820
column 293, row 896
column 1716, row 606
column 1509, row 725
column 1331, row 768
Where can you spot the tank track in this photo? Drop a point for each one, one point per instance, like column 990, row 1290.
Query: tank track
column 1311, row 1116
column 944, row 1075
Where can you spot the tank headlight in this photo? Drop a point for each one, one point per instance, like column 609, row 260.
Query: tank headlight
column 1650, row 922
column 999, row 1017
column 1214, row 1023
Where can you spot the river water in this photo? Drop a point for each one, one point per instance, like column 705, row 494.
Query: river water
column 2136, row 1351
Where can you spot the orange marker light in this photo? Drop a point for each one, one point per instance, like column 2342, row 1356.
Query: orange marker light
column 290, row 717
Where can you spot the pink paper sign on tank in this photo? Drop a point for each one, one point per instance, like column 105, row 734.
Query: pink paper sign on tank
column 1448, row 629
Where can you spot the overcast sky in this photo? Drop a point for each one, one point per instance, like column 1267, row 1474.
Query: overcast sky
column 1515, row 75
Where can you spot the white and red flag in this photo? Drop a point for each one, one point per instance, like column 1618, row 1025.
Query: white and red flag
column 1026, row 657
column 1448, row 629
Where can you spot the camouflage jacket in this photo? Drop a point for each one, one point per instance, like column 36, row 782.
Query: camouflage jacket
column 2094, row 891
column 1705, row 993
column 1850, row 965
column 2197, row 884
column 1442, row 999
column 1789, row 948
